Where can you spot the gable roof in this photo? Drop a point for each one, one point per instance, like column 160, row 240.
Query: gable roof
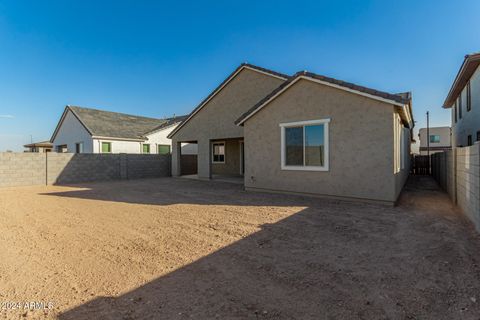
column 223, row 84
column 168, row 123
column 401, row 99
column 107, row 124
column 468, row 67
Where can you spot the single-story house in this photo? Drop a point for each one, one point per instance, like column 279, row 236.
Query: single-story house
column 86, row 130
column 40, row 147
column 305, row 134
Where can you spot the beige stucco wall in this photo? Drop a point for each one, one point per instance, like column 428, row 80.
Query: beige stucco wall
column 361, row 137
column 217, row 118
column 232, row 159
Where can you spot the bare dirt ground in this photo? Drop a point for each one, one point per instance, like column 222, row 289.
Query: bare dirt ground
column 181, row 249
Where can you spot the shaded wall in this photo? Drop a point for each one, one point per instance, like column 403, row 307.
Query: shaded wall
column 22, row 169
column 458, row 173
column 232, row 159
column 216, row 120
column 361, row 145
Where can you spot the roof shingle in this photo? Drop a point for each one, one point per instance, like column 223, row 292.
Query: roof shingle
column 119, row 125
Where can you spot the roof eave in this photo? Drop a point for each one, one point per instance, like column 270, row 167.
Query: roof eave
column 120, row 138
column 222, row 85
column 275, row 93
column 469, row 58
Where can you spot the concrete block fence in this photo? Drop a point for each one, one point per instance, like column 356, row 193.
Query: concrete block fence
column 24, row 169
column 458, row 173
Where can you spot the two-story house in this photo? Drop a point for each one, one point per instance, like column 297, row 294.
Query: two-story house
column 433, row 140
column 464, row 100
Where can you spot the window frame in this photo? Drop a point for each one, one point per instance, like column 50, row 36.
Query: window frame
column 433, row 136
column 469, row 97
column 164, row 145
column 460, row 106
column 326, row 166
column 224, row 151
column 455, row 107
column 143, row 148
column 101, row 146
column 79, row 147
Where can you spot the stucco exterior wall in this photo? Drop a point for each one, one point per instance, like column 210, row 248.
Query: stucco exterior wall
column 160, row 137
column 443, row 132
column 118, row 146
column 469, row 124
column 232, row 159
column 402, row 146
column 217, row 118
column 361, row 143
column 72, row 132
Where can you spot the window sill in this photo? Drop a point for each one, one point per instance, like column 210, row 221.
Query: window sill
column 217, row 162
column 303, row 168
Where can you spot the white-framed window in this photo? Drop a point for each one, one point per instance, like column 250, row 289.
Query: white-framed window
column 145, row 148
column 304, row 145
column 218, row 152
column 106, row 147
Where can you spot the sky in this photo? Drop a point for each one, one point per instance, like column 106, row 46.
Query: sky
column 156, row 59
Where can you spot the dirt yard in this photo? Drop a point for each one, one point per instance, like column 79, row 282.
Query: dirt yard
column 181, row 249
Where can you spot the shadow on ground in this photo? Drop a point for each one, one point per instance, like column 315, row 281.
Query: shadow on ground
column 332, row 260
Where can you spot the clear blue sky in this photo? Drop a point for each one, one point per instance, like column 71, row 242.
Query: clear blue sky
column 157, row 59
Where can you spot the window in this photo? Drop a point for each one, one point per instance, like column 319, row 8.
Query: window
column 469, row 97
column 460, row 106
column 62, row 148
column 79, row 147
column 305, row 145
column 455, row 111
column 478, row 135
column 469, row 140
column 106, row 147
column 146, row 148
column 218, row 150
column 163, row 149
column 434, row 138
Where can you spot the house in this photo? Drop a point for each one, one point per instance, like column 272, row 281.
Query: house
column 305, row 134
column 464, row 100
column 86, row 130
column 438, row 140
column 41, row 147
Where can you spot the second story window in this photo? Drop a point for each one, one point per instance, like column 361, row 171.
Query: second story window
column 478, row 135
column 455, row 111
column 469, row 140
column 460, row 106
column 434, row 138
column 469, row 97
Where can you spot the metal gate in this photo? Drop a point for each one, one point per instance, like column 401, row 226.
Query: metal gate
column 420, row 165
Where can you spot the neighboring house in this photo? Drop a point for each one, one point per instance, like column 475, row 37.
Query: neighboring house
column 439, row 140
column 85, row 130
column 304, row 134
column 41, row 147
column 464, row 100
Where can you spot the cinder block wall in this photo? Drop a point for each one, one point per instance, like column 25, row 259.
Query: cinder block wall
column 468, row 182
column 458, row 173
column 21, row 169
column 147, row 166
